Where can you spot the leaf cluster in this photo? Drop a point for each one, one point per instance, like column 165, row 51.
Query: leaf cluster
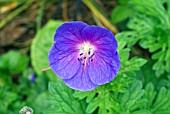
column 11, row 65
column 149, row 27
column 134, row 100
column 16, row 88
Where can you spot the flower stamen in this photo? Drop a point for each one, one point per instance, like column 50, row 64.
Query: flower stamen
column 89, row 52
column 91, row 56
column 81, row 54
column 86, row 51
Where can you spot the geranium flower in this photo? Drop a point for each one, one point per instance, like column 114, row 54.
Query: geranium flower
column 84, row 56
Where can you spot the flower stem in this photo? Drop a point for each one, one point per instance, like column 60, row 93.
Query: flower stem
column 45, row 69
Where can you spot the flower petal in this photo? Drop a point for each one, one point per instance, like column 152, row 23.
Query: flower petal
column 68, row 35
column 65, row 65
column 81, row 81
column 101, row 38
column 70, row 32
column 103, row 69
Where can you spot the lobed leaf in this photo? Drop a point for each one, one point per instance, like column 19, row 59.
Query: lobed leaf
column 157, row 102
column 62, row 101
column 149, row 26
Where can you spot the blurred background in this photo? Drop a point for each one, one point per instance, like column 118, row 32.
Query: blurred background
column 144, row 25
column 20, row 20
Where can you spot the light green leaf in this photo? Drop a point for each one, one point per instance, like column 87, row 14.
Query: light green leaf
column 92, row 105
column 132, row 98
column 121, row 13
column 41, row 45
column 142, row 112
column 157, row 102
column 150, row 26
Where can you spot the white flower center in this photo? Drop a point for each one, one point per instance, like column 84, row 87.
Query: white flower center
column 86, row 51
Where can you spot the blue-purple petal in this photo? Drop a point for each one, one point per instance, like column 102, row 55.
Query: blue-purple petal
column 70, row 31
column 76, row 71
column 103, row 69
column 101, row 38
column 65, row 65
column 81, row 81
column 68, row 35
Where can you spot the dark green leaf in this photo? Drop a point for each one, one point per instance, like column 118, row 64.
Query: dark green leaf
column 62, row 100
column 6, row 98
column 13, row 62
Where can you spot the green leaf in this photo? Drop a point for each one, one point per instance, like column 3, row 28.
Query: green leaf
column 107, row 101
column 123, row 53
column 126, row 74
column 133, row 97
column 92, row 105
column 150, row 94
column 121, row 42
column 5, row 79
column 157, row 103
column 121, row 13
column 150, row 27
column 13, row 62
column 40, row 103
column 165, row 82
column 62, row 101
column 142, row 112
column 41, row 46
column 6, row 98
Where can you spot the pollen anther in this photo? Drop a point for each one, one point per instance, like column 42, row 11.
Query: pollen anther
column 81, row 54
column 86, row 51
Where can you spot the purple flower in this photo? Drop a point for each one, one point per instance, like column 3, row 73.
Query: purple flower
column 32, row 78
column 84, row 56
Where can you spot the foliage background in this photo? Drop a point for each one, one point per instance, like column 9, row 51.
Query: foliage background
column 142, row 85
